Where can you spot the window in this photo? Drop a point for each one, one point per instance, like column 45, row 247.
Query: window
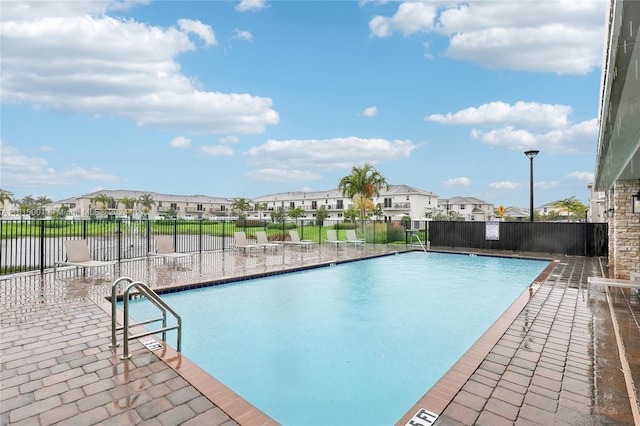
column 199, row 207
column 223, row 208
column 314, row 205
column 463, row 206
column 339, row 204
column 292, row 205
column 407, row 198
column 387, row 202
column 174, row 206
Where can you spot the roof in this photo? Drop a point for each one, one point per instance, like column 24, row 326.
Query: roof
column 119, row 194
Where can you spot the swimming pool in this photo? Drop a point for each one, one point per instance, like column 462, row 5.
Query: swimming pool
column 354, row 344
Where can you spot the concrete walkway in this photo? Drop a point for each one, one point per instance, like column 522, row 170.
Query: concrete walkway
column 552, row 360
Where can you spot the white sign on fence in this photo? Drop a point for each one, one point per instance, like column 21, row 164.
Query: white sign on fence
column 492, row 231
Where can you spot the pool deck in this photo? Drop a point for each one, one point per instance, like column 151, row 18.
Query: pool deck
column 552, row 358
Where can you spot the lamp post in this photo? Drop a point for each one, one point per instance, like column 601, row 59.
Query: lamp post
column 531, row 154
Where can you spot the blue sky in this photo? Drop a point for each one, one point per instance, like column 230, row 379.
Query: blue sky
column 248, row 98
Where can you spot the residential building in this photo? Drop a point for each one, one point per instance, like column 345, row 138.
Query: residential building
column 6, row 203
column 397, row 201
column 467, row 208
column 516, row 214
column 183, row 206
column 618, row 153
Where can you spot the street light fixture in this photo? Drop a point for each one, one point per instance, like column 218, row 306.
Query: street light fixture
column 531, row 154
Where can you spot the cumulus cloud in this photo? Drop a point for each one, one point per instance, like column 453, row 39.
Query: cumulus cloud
column 522, row 114
column 242, row 35
column 250, row 5
column 229, row 140
column 525, row 125
column 337, row 153
column 504, row 185
column 71, row 57
column 198, row 28
column 22, row 171
column 180, row 142
column 563, row 37
column 370, row 111
column 582, row 176
column 455, row 182
column 217, row 150
column 281, row 175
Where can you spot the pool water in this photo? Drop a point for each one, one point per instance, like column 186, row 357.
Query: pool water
column 354, row 344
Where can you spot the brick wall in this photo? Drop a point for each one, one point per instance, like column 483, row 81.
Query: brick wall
column 624, row 230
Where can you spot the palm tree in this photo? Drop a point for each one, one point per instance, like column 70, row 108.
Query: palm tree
column 571, row 205
column 43, row 200
column 129, row 203
column 146, row 201
column 5, row 198
column 361, row 185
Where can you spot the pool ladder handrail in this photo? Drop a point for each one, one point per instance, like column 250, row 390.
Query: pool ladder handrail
column 154, row 298
column 415, row 234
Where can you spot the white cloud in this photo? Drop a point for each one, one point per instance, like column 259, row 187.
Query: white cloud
column 62, row 58
column 563, row 37
column 45, row 148
column 250, row 5
column 22, row 171
column 522, row 114
column 459, row 181
column 198, row 28
column 337, row 153
column 217, row 150
column 281, row 175
column 574, row 139
column 547, row 185
column 582, row 176
column 411, row 17
column 180, row 142
column 242, row 35
column 229, row 140
column 370, row 111
column 504, row 185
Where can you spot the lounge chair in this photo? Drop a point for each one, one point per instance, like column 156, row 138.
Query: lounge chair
column 332, row 238
column 242, row 243
column 166, row 250
column 295, row 240
column 263, row 241
column 78, row 255
column 353, row 239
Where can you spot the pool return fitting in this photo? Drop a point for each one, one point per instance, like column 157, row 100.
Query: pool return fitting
column 153, row 297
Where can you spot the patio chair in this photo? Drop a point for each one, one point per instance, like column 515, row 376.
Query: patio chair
column 332, row 238
column 242, row 242
column 166, row 250
column 263, row 241
column 78, row 255
column 353, row 239
column 295, row 240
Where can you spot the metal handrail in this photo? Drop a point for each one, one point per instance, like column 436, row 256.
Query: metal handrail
column 153, row 297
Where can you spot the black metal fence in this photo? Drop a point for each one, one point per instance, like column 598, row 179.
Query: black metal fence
column 579, row 239
column 27, row 245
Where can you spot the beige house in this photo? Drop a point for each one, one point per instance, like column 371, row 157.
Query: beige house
column 396, row 202
column 617, row 174
column 467, row 208
column 184, row 206
column 6, row 203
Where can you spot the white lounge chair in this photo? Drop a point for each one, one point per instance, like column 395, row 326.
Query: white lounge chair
column 242, row 243
column 353, row 239
column 263, row 241
column 295, row 240
column 166, row 250
column 78, row 255
column 332, row 238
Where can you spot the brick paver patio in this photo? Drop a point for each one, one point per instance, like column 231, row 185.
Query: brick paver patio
column 555, row 360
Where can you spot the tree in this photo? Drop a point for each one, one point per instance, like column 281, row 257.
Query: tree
column 296, row 213
column 572, row 206
column 43, row 200
column 146, row 201
column 4, row 196
column 321, row 215
column 129, row 203
column 351, row 214
column 363, row 183
column 104, row 200
column 240, row 205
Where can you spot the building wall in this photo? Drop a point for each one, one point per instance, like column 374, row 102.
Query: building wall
column 624, row 230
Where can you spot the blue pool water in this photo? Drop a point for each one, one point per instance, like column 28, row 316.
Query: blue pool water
column 353, row 344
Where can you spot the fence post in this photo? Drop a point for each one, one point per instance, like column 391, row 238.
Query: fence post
column 200, row 237
column 119, row 245
column 41, row 246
